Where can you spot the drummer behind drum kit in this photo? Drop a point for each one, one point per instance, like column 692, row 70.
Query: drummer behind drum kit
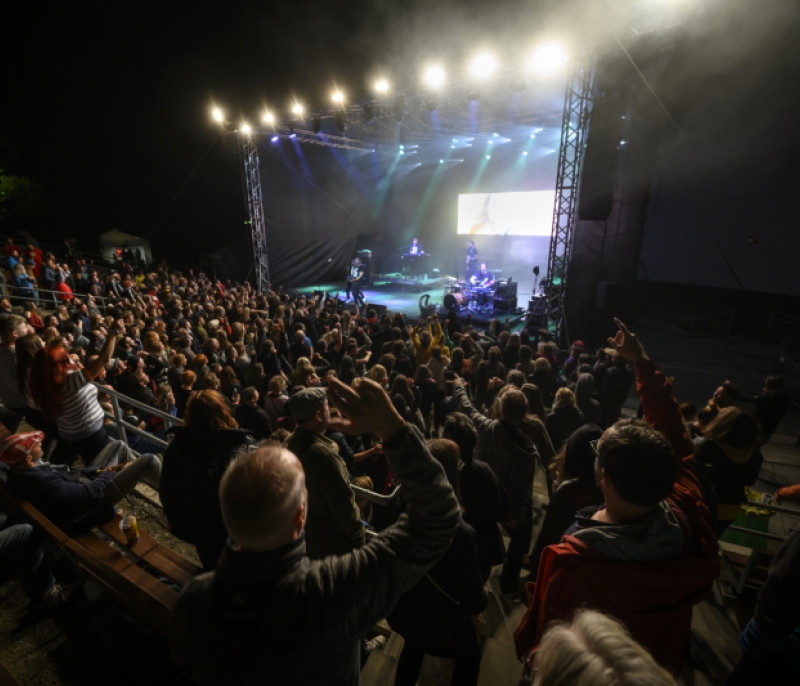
column 459, row 294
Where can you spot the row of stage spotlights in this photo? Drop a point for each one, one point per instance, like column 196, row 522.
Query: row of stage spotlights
column 546, row 60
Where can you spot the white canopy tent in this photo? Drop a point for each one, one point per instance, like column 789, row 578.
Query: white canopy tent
column 114, row 241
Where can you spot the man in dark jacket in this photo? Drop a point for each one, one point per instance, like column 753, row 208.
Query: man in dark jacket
column 251, row 417
column 334, row 524
column 268, row 612
column 513, row 457
column 771, row 405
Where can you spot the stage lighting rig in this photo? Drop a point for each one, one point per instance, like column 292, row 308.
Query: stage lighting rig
column 483, row 66
column 269, row 118
column 399, row 108
column 297, row 109
column 382, row 86
column 245, row 129
column 217, row 115
column 338, row 97
column 434, row 76
column 368, row 113
column 547, row 59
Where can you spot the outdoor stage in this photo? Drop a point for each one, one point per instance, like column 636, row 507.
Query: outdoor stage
column 405, row 295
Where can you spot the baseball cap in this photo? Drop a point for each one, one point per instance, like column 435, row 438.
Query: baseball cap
column 304, row 404
column 17, row 447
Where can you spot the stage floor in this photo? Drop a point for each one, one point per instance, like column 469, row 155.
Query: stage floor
column 405, row 298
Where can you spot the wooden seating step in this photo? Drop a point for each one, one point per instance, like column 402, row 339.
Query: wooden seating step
column 119, row 568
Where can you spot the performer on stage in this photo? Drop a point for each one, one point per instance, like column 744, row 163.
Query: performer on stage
column 472, row 258
column 355, row 275
column 483, row 278
column 415, row 254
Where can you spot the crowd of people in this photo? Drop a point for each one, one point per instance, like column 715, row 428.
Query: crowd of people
column 285, row 402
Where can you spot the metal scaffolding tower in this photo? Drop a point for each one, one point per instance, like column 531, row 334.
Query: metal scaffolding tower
column 575, row 127
column 255, row 210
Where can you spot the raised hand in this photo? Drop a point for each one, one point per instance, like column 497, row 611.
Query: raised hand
column 366, row 409
column 626, row 343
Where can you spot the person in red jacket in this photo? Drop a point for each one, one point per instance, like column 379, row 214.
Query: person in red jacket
column 650, row 553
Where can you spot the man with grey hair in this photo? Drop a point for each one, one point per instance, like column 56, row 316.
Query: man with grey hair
column 268, row 614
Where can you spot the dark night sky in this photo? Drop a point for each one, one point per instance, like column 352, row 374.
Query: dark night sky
column 108, row 103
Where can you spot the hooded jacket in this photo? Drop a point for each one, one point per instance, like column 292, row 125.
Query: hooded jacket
column 648, row 574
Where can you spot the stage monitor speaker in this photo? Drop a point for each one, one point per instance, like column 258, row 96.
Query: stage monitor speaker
column 505, row 305
column 366, row 261
column 506, row 291
column 536, row 305
column 602, row 154
column 380, row 310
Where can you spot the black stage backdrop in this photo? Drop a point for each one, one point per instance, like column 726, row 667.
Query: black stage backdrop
column 323, row 203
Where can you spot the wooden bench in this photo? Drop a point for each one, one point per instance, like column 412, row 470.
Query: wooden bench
column 119, row 573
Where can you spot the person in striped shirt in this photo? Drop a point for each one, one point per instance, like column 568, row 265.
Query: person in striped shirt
column 63, row 391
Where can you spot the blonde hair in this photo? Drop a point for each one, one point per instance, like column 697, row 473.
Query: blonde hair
column 595, row 650
column 378, row 374
column 564, row 398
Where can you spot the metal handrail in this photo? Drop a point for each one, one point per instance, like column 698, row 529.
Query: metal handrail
column 758, row 534
column 124, row 427
column 15, row 296
column 371, row 496
column 169, row 421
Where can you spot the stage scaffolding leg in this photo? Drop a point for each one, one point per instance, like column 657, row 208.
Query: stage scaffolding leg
column 575, row 127
column 255, row 210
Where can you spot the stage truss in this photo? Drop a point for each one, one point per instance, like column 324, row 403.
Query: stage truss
column 574, row 129
column 255, row 209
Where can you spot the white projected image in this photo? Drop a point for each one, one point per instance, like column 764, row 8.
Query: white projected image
column 529, row 213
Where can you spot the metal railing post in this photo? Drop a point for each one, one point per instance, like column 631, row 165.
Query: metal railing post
column 118, row 419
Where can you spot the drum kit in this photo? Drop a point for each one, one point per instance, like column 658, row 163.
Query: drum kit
column 459, row 295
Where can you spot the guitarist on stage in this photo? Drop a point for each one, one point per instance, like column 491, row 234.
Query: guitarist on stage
column 355, row 276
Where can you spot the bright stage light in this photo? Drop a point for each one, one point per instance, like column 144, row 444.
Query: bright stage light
column 337, row 97
column 434, row 76
column 216, row 113
column 495, row 135
column 525, row 153
column 491, row 142
column 533, row 135
column 488, row 157
column 274, row 138
column 547, row 59
column 297, row 108
column 246, row 129
column 382, row 86
column 441, row 161
column 483, row 66
column 269, row 118
column 452, row 147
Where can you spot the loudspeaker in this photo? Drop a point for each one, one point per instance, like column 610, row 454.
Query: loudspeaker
column 506, row 291
column 366, row 263
column 380, row 310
